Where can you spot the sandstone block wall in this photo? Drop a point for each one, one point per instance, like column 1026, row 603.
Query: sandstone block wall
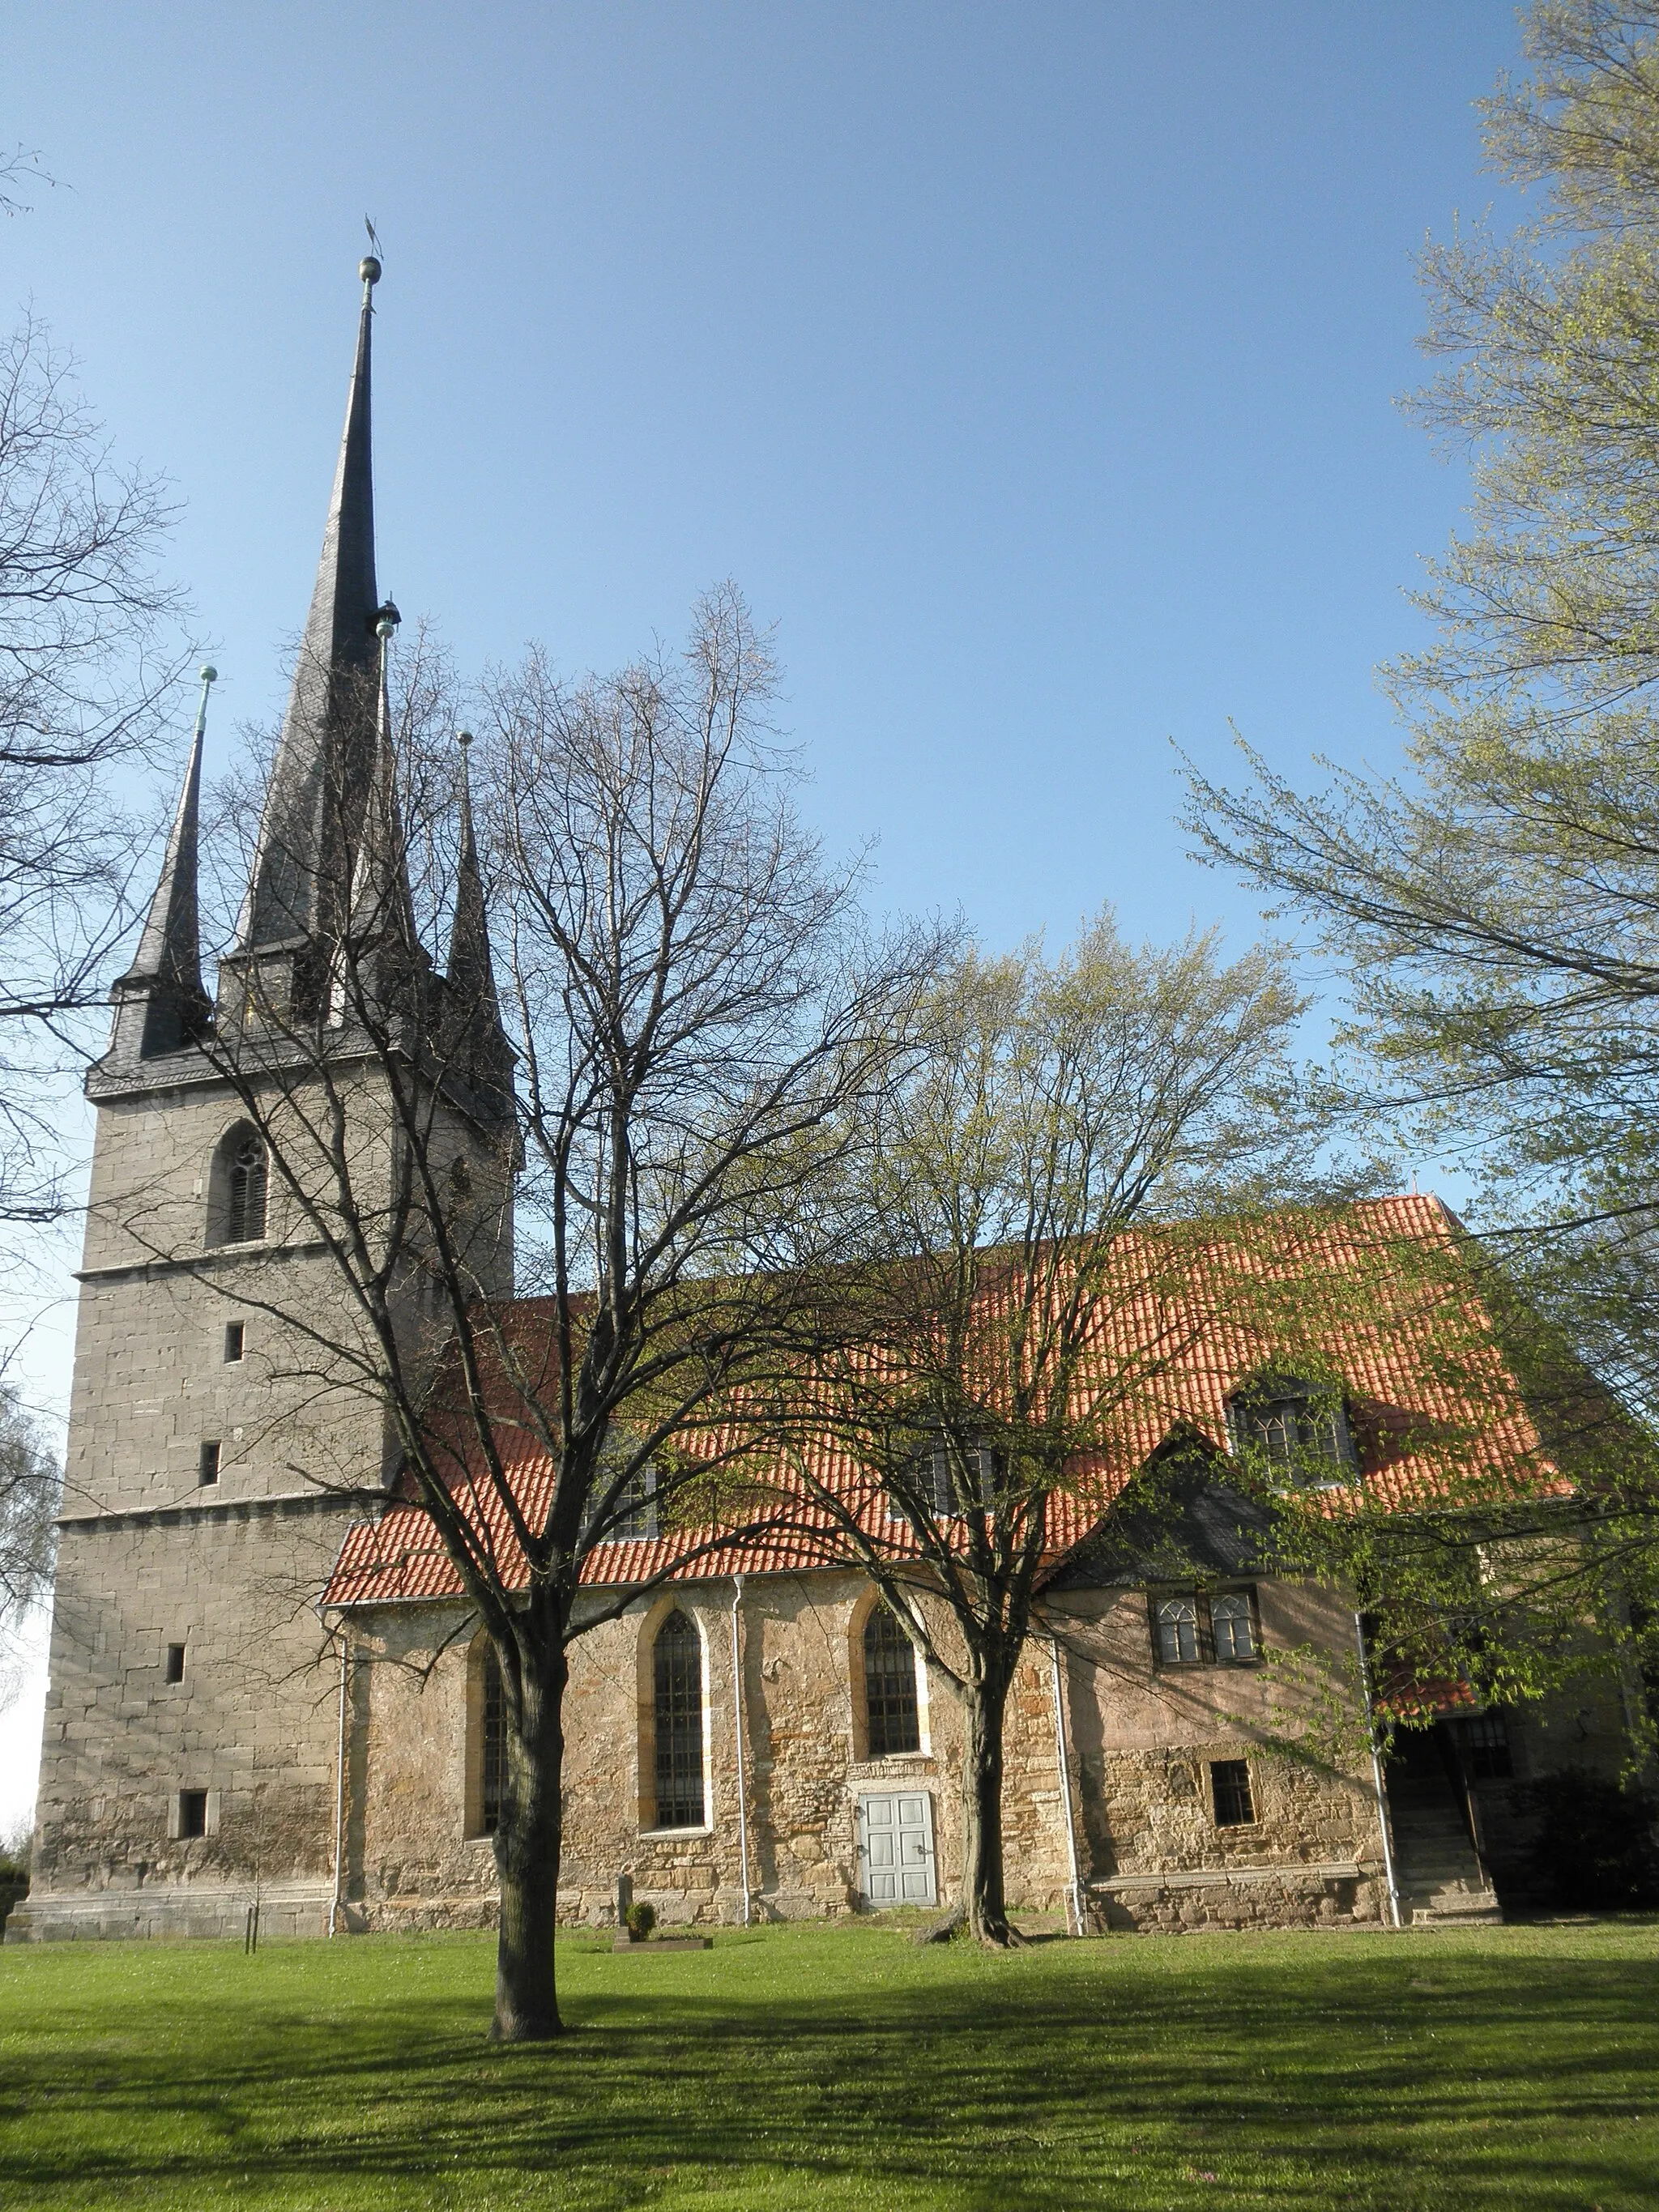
column 1139, row 1746
column 253, row 1723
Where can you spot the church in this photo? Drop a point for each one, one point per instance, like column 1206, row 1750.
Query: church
column 265, row 1689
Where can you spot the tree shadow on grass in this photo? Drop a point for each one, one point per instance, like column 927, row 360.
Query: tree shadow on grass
column 1096, row 2074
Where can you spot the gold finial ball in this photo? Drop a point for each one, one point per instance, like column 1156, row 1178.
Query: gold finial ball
column 370, row 270
column 207, row 672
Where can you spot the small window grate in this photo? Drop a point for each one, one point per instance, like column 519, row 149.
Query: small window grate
column 174, row 1669
column 192, row 1813
column 889, row 1686
column 1230, row 1792
column 235, row 1342
column 207, row 1473
column 1486, row 1747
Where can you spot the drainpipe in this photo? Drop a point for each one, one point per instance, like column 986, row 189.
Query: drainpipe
column 1376, row 1776
column 737, row 1702
column 339, row 1790
column 1074, row 1893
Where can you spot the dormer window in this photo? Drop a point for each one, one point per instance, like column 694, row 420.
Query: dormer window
column 1298, row 1430
column 634, row 1512
column 955, row 1480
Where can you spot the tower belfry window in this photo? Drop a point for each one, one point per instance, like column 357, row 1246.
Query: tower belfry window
column 246, row 1212
column 239, row 1188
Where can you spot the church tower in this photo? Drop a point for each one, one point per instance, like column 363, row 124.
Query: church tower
column 224, row 1426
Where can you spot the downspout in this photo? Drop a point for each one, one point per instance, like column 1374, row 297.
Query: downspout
column 1377, row 1775
column 1074, row 1893
column 339, row 1789
column 737, row 1701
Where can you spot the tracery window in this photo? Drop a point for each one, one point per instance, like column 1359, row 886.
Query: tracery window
column 891, row 1720
column 676, row 1665
column 1191, row 1629
column 239, row 1189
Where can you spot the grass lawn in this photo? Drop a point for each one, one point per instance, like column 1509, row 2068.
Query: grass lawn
column 839, row 2066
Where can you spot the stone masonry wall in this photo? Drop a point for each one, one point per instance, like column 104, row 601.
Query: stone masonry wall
column 1139, row 1747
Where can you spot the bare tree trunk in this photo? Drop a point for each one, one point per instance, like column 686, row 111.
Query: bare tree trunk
column 527, row 1845
column 982, row 1899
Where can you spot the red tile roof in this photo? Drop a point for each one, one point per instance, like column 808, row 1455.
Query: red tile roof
column 1401, row 1389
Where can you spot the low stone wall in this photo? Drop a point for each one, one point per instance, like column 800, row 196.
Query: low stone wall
column 162, row 1912
column 1237, row 1897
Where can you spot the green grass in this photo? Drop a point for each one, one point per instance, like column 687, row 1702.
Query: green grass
column 828, row 2067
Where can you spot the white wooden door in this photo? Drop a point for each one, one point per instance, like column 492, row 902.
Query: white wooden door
column 895, row 1849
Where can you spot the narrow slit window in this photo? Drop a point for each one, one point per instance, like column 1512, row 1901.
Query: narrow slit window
column 677, row 1670
column 174, row 1669
column 208, row 1473
column 235, row 1342
column 192, row 1813
column 889, row 1686
column 1230, row 1792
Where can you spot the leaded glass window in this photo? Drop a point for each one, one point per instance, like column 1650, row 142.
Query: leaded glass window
column 889, row 1686
column 677, row 1667
column 494, row 1748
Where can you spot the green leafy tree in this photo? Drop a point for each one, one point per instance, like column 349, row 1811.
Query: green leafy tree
column 1494, row 910
column 1009, row 1318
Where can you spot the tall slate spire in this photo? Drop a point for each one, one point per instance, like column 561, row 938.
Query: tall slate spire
column 160, row 1004
column 483, row 1057
column 319, row 782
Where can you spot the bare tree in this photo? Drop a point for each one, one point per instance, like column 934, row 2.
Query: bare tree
column 704, row 1032
column 1044, row 1242
column 29, row 1487
column 88, row 667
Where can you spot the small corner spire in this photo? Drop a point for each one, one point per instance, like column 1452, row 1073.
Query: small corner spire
column 160, row 1004
column 484, row 1057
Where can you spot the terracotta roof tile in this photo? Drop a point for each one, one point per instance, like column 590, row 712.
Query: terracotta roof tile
column 1392, row 1379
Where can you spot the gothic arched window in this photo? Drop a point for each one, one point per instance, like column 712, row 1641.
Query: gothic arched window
column 891, row 1723
column 677, row 1661
column 238, row 1189
column 492, row 1733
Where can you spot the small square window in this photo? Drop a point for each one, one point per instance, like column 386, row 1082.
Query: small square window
column 192, row 1813
column 1230, row 1791
column 235, row 1342
column 208, row 1473
column 1487, row 1742
column 174, row 1669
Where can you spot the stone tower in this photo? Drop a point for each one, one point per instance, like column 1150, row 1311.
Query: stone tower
column 224, row 1429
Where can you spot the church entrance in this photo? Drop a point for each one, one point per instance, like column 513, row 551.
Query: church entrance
column 895, row 1850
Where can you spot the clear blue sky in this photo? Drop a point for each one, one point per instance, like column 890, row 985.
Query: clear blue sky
column 1031, row 365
